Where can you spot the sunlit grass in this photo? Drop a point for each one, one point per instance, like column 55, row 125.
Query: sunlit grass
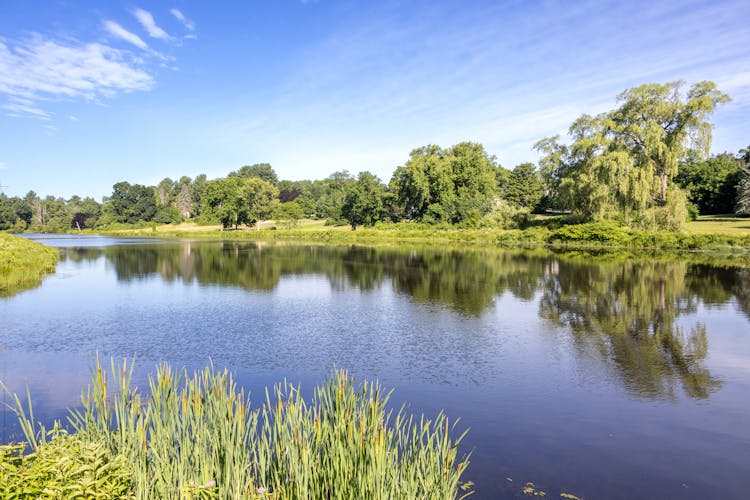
column 197, row 436
column 23, row 263
column 720, row 224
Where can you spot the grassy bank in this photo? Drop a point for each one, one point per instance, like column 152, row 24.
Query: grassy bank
column 198, row 437
column 731, row 235
column 23, row 263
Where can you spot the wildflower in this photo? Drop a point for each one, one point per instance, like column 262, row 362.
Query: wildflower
column 210, row 484
column 261, row 490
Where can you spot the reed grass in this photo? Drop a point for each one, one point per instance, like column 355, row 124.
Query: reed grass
column 23, row 263
column 197, row 436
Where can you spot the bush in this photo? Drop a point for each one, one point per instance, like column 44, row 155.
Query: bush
column 66, row 466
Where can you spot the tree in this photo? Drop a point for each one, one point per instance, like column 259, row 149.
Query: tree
column 656, row 125
column 523, row 187
column 552, row 168
column 711, row 184
column 260, row 198
column 262, row 171
column 224, row 200
column 452, row 185
column 621, row 163
column 743, row 189
column 364, row 201
column 184, row 201
column 132, row 203
column 291, row 212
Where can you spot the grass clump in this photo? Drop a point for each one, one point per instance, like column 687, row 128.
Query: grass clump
column 23, row 263
column 198, row 437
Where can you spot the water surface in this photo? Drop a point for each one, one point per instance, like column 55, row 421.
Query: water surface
column 599, row 375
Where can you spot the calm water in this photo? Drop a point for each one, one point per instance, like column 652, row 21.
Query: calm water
column 595, row 375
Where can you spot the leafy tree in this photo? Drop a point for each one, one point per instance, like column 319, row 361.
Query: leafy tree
column 364, row 201
column 262, row 171
column 224, row 201
column 85, row 213
column 15, row 213
column 261, row 199
column 711, row 184
column 743, row 189
column 329, row 195
column 290, row 212
column 165, row 191
column 197, row 190
column 523, row 187
column 621, row 162
column 656, row 125
column 132, row 203
column 450, row 185
column 552, row 168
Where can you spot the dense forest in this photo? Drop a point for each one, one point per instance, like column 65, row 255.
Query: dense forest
column 644, row 164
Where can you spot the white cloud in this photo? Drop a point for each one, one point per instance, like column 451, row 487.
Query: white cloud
column 18, row 110
column 184, row 20
column 42, row 69
column 118, row 31
column 149, row 24
column 2, row 165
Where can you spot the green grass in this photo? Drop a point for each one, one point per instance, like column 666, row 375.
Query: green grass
column 23, row 263
column 728, row 235
column 730, row 224
column 197, row 436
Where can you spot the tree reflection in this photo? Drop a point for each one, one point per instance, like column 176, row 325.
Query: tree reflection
column 623, row 311
column 626, row 313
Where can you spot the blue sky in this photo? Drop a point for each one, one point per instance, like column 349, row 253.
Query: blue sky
column 92, row 93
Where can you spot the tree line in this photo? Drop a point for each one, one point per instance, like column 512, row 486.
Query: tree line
column 644, row 164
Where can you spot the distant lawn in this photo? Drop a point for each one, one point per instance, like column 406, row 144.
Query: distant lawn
column 730, row 224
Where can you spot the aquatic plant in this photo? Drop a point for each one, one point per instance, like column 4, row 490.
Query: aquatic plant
column 196, row 436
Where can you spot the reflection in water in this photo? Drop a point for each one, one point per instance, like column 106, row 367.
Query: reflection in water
column 621, row 312
column 626, row 313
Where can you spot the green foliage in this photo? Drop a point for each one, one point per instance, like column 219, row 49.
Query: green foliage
column 743, row 188
column 65, row 467
column 197, row 437
column 132, row 203
column 711, row 184
column 262, row 171
column 23, row 264
column 15, row 213
column 445, row 185
column 524, row 187
column 364, row 203
column 239, row 200
column 621, row 163
column 290, row 212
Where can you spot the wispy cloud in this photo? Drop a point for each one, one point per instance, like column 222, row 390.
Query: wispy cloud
column 2, row 165
column 118, row 31
column 43, row 69
column 149, row 24
column 22, row 107
column 190, row 25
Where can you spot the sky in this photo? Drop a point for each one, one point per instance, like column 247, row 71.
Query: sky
column 93, row 93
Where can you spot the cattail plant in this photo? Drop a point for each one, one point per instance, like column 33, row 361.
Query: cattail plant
column 196, row 436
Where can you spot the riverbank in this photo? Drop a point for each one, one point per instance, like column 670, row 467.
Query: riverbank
column 714, row 235
column 23, row 263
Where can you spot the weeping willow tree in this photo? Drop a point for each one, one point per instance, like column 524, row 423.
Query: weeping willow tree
column 621, row 163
